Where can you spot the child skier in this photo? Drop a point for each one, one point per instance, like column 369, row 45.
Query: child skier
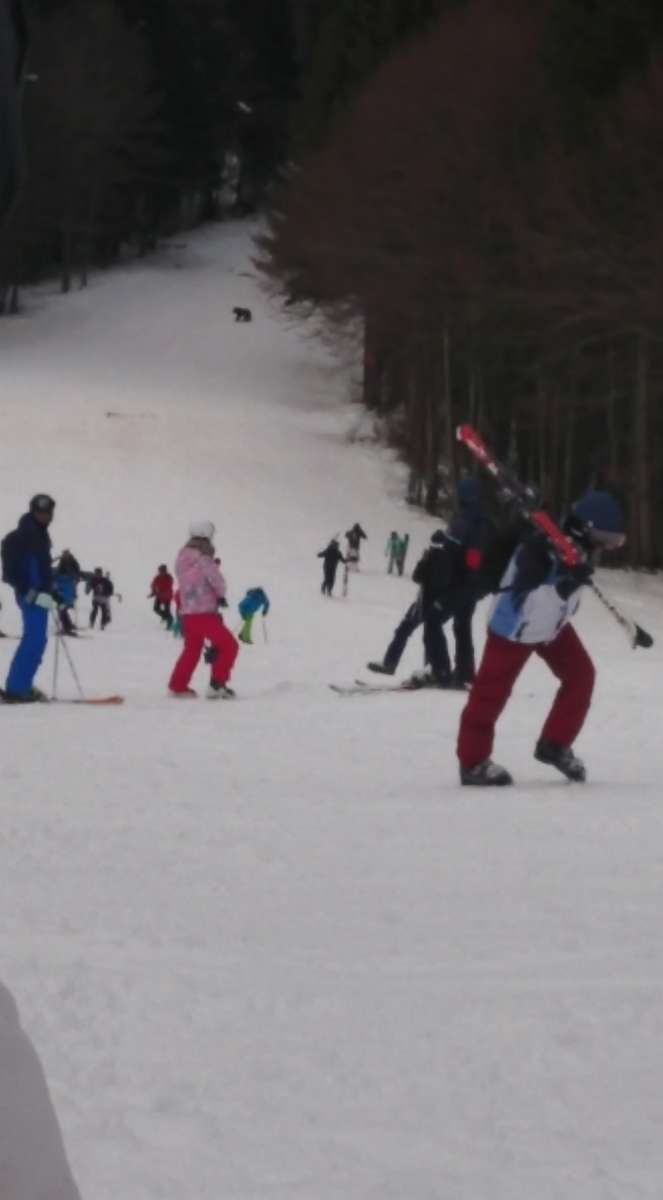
column 161, row 590
column 331, row 556
column 254, row 600
column 102, row 589
column 531, row 614
column 202, row 588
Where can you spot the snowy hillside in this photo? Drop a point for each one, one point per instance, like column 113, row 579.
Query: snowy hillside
column 270, row 950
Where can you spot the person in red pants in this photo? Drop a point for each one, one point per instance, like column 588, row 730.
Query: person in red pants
column 538, row 596
column 202, row 589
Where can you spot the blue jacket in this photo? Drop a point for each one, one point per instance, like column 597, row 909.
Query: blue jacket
column 26, row 557
column 254, row 599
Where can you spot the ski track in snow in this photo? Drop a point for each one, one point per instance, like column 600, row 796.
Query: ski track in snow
column 270, row 950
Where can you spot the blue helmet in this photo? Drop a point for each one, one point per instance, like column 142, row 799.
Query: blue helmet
column 600, row 511
column 469, row 492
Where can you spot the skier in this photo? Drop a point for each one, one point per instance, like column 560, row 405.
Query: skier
column 331, row 557
column 391, row 551
column 26, row 567
column 101, row 587
column 254, row 600
column 402, row 552
column 161, row 590
column 438, row 573
column 538, row 597
column 66, row 575
column 353, row 538
column 202, row 587
column 33, row 1159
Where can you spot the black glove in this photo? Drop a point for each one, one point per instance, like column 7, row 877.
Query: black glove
column 573, row 578
column 223, row 603
column 211, row 654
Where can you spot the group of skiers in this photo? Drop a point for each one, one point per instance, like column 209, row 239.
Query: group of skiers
column 536, row 595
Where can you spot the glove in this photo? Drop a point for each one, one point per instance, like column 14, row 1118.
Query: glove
column 573, row 578
column 42, row 600
column 223, row 603
column 211, row 654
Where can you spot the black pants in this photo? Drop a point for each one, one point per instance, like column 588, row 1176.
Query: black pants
column 328, row 580
column 98, row 606
column 64, row 616
column 435, row 642
column 402, row 633
column 162, row 609
column 465, row 666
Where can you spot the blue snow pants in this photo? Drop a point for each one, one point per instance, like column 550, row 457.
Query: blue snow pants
column 26, row 661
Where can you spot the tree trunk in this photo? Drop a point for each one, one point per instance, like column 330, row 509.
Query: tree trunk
column 643, row 541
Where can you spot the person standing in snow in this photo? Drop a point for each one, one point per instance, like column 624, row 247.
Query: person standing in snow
column 391, row 551
column 26, row 567
column 202, row 588
column 473, row 531
column 254, row 600
column 161, row 590
column 66, row 576
column 531, row 614
column 102, row 589
column 331, row 556
column 33, row 1159
column 353, row 538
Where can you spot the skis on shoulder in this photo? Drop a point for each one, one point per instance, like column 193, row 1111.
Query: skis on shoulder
column 527, row 502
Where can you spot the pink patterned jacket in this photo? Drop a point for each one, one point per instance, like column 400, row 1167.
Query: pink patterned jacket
column 201, row 584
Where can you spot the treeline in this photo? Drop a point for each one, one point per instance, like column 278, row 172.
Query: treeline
column 142, row 117
column 484, row 210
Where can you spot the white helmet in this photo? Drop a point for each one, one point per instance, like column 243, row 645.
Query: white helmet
column 201, row 529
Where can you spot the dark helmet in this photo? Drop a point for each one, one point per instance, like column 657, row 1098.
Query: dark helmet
column 163, row 567
column 42, row 503
column 438, row 539
column 598, row 519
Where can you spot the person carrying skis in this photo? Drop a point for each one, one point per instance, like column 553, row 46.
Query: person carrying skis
column 26, row 567
column 391, row 551
column 202, row 588
column 331, row 556
column 353, row 539
column 538, row 596
column 254, row 600
column 404, row 542
column 161, row 590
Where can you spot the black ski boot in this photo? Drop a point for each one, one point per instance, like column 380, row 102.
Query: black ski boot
column 561, row 757
column 381, row 668
column 485, row 774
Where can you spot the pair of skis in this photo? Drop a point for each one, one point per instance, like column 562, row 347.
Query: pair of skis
column 525, row 500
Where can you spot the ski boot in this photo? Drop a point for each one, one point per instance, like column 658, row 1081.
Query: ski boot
column 32, row 696
column 485, row 774
column 561, row 757
column 220, row 691
column 381, row 668
column 183, row 693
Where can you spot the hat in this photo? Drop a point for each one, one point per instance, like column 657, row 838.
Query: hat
column 438, row 539
column 42, row 503
column 201, row 529
column 597, row 517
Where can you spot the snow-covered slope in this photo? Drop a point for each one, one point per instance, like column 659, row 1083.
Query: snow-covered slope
column 270, row 950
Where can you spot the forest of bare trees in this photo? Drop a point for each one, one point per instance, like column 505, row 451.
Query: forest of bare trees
column 496, row 237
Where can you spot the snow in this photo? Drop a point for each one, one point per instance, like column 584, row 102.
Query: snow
column 270, row 950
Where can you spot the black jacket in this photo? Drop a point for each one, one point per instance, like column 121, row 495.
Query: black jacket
column 354, row 536
column 26, row 557
column 439, row 574
column 332, row 556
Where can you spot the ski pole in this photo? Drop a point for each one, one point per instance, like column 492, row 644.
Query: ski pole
column 72, row 668
column 56, row 656
column 636, row 635
column 264, row 630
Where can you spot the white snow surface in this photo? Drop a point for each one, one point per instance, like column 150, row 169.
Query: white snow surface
column 270, row 950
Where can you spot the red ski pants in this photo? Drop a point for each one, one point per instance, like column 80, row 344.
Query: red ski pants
column 500, row 666
column 198, row 628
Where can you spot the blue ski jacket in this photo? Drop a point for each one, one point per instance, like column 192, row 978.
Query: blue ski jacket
column 254, row 599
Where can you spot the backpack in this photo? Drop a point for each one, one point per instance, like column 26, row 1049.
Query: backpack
column 6, row 555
